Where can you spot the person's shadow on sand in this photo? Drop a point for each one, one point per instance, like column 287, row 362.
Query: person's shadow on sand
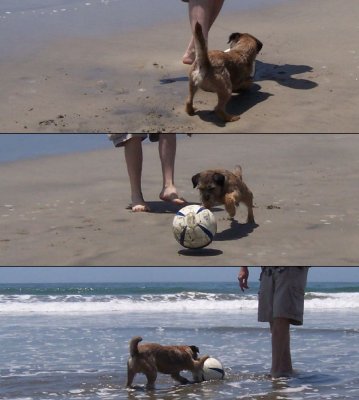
column 163, row 207
column 166, row 81
column 166, row 207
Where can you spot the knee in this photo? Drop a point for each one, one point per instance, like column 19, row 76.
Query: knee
column 280, row 324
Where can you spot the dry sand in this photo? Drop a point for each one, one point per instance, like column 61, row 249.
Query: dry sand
column 71, row 210
column 307, row 77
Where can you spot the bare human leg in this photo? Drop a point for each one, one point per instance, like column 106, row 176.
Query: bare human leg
column 134, row 160
column 281, row 357
column 167, row 149
column 205, row 12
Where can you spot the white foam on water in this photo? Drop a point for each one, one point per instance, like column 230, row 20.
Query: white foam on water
column 332, row 301
column 295, row 389
column 254, row 395
column 119, row 306
column 235, row 384
column 198, row 303
column 22, row 398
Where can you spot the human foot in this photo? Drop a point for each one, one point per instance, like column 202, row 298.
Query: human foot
column 139, row 208
column 171, row 195
column 189, row 57
column 139, row 205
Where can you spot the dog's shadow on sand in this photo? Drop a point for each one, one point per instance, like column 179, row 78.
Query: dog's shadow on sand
column 283, row 75
column 244, row 101
column 237, row 105
column 235, row 231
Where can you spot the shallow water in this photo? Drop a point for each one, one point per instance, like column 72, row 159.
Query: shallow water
column 85, row 358
column 29, row 25
column 51, row 348
column 14, row 147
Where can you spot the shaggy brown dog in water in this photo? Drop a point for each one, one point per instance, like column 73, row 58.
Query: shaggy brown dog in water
column 151, row 358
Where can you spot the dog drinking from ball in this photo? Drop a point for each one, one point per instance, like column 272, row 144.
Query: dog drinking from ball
column 151, row 358
column 220, row 186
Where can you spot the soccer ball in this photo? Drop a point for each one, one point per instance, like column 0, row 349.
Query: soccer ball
column 194, row 227
column 212, row 369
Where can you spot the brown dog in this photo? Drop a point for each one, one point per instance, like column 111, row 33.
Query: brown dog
column 220, row 186
column 222, row 72
column 151, row 358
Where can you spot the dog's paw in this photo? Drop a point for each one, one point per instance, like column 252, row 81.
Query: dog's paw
column 234, row 118
column 225, row 116
column 190, row 110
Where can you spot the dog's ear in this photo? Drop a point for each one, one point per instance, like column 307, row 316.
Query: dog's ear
column 195, row 351
column 195, row 180
column 234, row 37
column 219, row 179
column 259, row 45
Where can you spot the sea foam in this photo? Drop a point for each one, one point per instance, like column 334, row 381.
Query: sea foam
column 181, row 302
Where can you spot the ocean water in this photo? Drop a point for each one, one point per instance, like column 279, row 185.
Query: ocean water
column 28, row 25
column 70, row 341
column 131, row 10
column 20, row 146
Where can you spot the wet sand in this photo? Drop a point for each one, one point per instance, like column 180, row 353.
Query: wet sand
column 307, row 77
column 71, row 210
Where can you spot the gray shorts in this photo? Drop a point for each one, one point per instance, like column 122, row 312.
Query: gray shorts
column 281, row 294
column 119, row 139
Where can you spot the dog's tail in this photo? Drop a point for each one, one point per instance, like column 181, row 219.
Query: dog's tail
column 201, row 48
column 238, row 172
column 134, row 345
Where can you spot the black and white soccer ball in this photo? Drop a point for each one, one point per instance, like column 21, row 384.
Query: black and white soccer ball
column 194, row 227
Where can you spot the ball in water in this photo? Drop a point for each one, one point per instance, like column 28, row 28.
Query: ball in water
column 212, row 370
column 194, row 227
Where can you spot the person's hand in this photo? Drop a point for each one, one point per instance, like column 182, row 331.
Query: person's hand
column 243, row 278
